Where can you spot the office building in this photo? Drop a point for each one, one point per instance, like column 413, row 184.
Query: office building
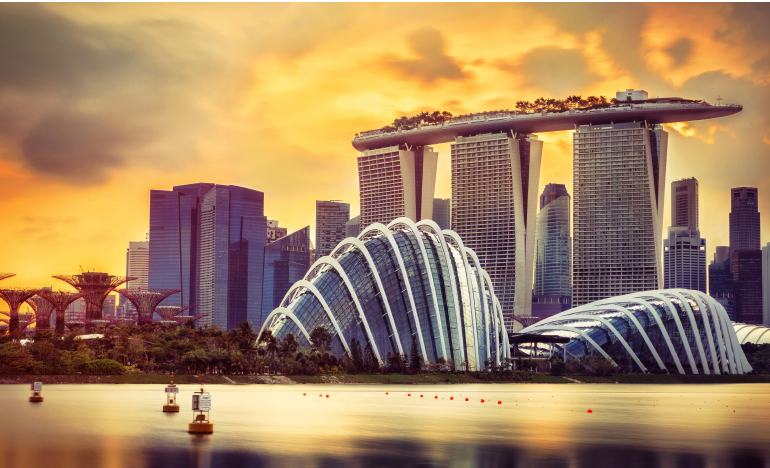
column 684, row 260
column 274, row 232
column 684, row 203
column 286, row 262
column 548, row 305
column 619, row 188
column 722, row 253
column 553, row 256
column 442, row 210
column 396, row 181
column 746, row 266
column 330, row 225
column 766, row 285
column 721, row 286
column 137, row 264
column 208, row 240
column 109, row 307
column 353, row 227
column 744, row 219
column 495, row 181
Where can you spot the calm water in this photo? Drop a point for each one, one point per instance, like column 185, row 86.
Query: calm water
column 118, row 426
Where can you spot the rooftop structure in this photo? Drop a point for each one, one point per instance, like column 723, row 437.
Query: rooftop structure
column 146, row 300
column 43, row 310
column 173, row 313
column 15, row 297
column 95, row 286
column 60, row 301
column 652, row 111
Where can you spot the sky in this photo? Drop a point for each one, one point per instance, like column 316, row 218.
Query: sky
column 101, row 103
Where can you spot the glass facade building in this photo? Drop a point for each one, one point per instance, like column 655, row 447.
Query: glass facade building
column 208, row 240
column 553, row 255
column 394, row 284
column 442, row 210
column 286, row 262
column 670, row 330
column 330, row 224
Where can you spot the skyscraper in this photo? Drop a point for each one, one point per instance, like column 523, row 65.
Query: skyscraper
column 744, row 219
column 353, row 227
column 766, row 285
column 137, row 265
column 442, row 209
column 274, row 232
column 553, row 258
column 396, row 181
column 330, row 219
column 495, row 178
column 684, row 203
column 619, row 175
column 746, row 266
column 286, row 262
column 684, row 260
column 722, row 253
column 208, row 240
column 721, row 285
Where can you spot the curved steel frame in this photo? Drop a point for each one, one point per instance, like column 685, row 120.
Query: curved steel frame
column 286, row 313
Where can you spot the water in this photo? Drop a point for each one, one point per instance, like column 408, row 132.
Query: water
column 117, row 426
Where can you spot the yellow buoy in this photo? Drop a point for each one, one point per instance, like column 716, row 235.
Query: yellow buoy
column 201, row 404
column 172, row 391
column 37, row 387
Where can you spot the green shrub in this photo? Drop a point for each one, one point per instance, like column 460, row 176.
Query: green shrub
column 104, row 367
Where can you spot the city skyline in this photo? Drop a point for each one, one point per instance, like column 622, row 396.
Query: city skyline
column 84, row 191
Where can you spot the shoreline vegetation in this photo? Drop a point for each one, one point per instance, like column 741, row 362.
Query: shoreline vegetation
column 384, row 379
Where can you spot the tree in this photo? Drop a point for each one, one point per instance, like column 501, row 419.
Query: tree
column 371, row 365
column 356, row 355
column 321, row 340
column 415, row 361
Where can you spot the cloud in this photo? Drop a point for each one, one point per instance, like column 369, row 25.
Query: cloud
column 432, row 63
column 680, row 51
column 545, row 68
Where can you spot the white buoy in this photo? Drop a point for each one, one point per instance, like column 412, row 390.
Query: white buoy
column 201, row 404
column 37, row 387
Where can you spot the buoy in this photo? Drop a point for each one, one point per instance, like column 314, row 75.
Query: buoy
column 482, row 401
column 386, row 393
column 37, row 387
column 420, row 396
column 201, row 404
column 466, row 399
column 172, row 392
column 590, row 411
column 499, row 402
column 327, row 396
column 408, row 394
column 436, row 397
column 320, row 395
column 304, row 394
column 451, row 398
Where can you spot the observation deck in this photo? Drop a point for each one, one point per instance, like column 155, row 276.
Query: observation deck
column 653, row 111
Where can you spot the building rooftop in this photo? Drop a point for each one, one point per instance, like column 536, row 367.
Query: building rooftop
column 653, row 111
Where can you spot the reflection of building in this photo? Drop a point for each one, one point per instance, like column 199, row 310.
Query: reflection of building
column 684, row 260
column 766, row 285
column 674, row 330
column 286, row 262
column 387, row 288
column 353, row 227
column 396, row 181
column 553, row 254
column 330, row 229
column 495, row 179
column 746, row 266
column 442, row 210
column 619, row 186
column 208, row 240
column 273, row 231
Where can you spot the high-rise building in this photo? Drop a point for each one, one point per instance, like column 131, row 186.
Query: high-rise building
column 137, row 264
column 274, row 232
column 746, row 266
column 619, row 187
column 442, row 210
column 286, row 262
column 684, row 260
column 353, row 227
column 722, row 253
column 396, row 181
column 330, row 219
column 208, row 240
column 495, row 179
column 744, row 219
column 721, row 285
column 766, row 285
column 684, row 203
column 108, row 309
column 553, row 256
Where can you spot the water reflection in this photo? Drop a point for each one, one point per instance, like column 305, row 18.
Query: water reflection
column 113, row 426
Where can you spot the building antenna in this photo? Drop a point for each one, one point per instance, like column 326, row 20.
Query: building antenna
column 719, row 99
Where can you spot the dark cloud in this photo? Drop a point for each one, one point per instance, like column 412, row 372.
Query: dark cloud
column 78, row 101
column 680, row 51
column 751, row 20
column 547, row 67
column 432, row 63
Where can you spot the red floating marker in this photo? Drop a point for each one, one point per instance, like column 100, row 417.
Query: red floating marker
column 420, row 396
column 451, row 398
column 466, row 399
column 304, row 394
column 499, row 402
column 408, row 394
column 482, row 401
column 327, row 396
column 590, row 411
column 436, row 397
column 386, row 393
column 320, row 395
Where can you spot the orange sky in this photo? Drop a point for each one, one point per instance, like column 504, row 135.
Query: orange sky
column 99, row 103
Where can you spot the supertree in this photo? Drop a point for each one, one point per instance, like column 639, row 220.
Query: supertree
column 6, row 275
column 526, row 320
column 171, row 313
column 60, row 300
column 15, row 297
column 43, row 310
column 25, row 320
column 146, row 300
column 96, row 286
